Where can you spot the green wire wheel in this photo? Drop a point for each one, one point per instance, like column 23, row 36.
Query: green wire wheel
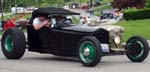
column 137, row 49
column 9, row 43
column 89, row 52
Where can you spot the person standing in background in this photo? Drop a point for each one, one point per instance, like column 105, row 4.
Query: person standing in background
column 9, row 24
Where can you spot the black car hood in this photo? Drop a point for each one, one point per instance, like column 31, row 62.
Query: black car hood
column 81, row 28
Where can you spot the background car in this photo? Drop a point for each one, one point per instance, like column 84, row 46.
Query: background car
column 85, row 7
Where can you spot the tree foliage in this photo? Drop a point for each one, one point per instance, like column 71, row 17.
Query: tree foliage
column 147, row 3
column 128, row 3
column 24, row 3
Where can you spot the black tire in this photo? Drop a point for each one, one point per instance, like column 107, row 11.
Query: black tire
column 94, row 51
column 137, row 49
column 13, row 43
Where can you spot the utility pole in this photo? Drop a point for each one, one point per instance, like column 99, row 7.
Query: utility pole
column 10, row 6
column 16, row 6
column 2, row 10
column 91, row 3
column 39, row 4
column 80, row 3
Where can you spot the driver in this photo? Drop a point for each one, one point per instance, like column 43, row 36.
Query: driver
column 40, row 22
column 61, row 20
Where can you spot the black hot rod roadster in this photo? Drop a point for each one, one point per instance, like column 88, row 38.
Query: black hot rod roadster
column 87, row 43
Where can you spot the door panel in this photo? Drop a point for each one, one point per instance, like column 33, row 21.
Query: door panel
column 60, row 40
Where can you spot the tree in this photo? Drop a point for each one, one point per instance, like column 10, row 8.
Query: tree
column 121, row 4
column 147, row 3
column 0, row 6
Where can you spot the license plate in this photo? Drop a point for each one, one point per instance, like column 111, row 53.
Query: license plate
column 105, row 48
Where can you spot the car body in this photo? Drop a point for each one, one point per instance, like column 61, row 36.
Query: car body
column 87, row 43
column 65, row 40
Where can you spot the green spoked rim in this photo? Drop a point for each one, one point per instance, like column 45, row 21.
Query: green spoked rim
column 9, row 43
column 87, row 52
column 136, row 48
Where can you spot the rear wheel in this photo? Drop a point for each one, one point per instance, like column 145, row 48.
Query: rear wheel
column 89, row 52
column 13, row 43
column 137, row 49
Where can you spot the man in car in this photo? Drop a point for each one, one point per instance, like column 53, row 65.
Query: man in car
column 62, row 20
column 40, row 22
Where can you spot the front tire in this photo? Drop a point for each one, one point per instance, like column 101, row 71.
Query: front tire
column 13, row 43
column 90, row 51
column 137, row 49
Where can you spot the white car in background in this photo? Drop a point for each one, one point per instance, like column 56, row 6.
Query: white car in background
column 66, row 7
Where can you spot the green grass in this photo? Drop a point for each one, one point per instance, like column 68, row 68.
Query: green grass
column 75, row 20
column 85, row 1
column 28, row 16
column 82, row 1
column 136, row 27
column 100, row 8
column 106, row 1
column 1, row 32
column 5, row 17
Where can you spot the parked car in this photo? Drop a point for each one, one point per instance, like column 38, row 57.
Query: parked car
column 87, row 43
column 74, row 5
column 66, row 7
column 106, row 14
column 111, row 14
column 85, row 7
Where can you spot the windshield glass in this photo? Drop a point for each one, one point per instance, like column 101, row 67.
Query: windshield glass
column 69, row 19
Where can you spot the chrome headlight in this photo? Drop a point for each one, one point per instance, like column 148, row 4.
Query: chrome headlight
column 117, row 40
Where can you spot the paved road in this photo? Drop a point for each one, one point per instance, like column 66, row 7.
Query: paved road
column 35, row 62
column 5, row 14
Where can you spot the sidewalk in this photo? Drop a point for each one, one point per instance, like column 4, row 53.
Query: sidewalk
column 5, row 14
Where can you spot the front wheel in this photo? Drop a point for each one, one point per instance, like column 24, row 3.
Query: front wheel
column 90, row 51
column 137, row 49
column 13, row 43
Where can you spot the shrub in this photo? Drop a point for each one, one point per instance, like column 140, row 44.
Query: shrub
column 134, row 14
column 147, row 5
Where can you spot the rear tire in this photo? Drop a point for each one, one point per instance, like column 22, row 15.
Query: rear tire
column 90, row 51
column 137, row 49
column 13, row 43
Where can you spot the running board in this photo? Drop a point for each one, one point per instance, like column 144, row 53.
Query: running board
column 119, row 52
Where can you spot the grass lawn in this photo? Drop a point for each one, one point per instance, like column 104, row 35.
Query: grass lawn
column 101, row 8
column 136, row 27
column 85, row 1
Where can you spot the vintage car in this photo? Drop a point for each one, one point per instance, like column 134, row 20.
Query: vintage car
column 88, row 43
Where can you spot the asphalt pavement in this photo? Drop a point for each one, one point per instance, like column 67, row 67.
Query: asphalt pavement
column 35, row 62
